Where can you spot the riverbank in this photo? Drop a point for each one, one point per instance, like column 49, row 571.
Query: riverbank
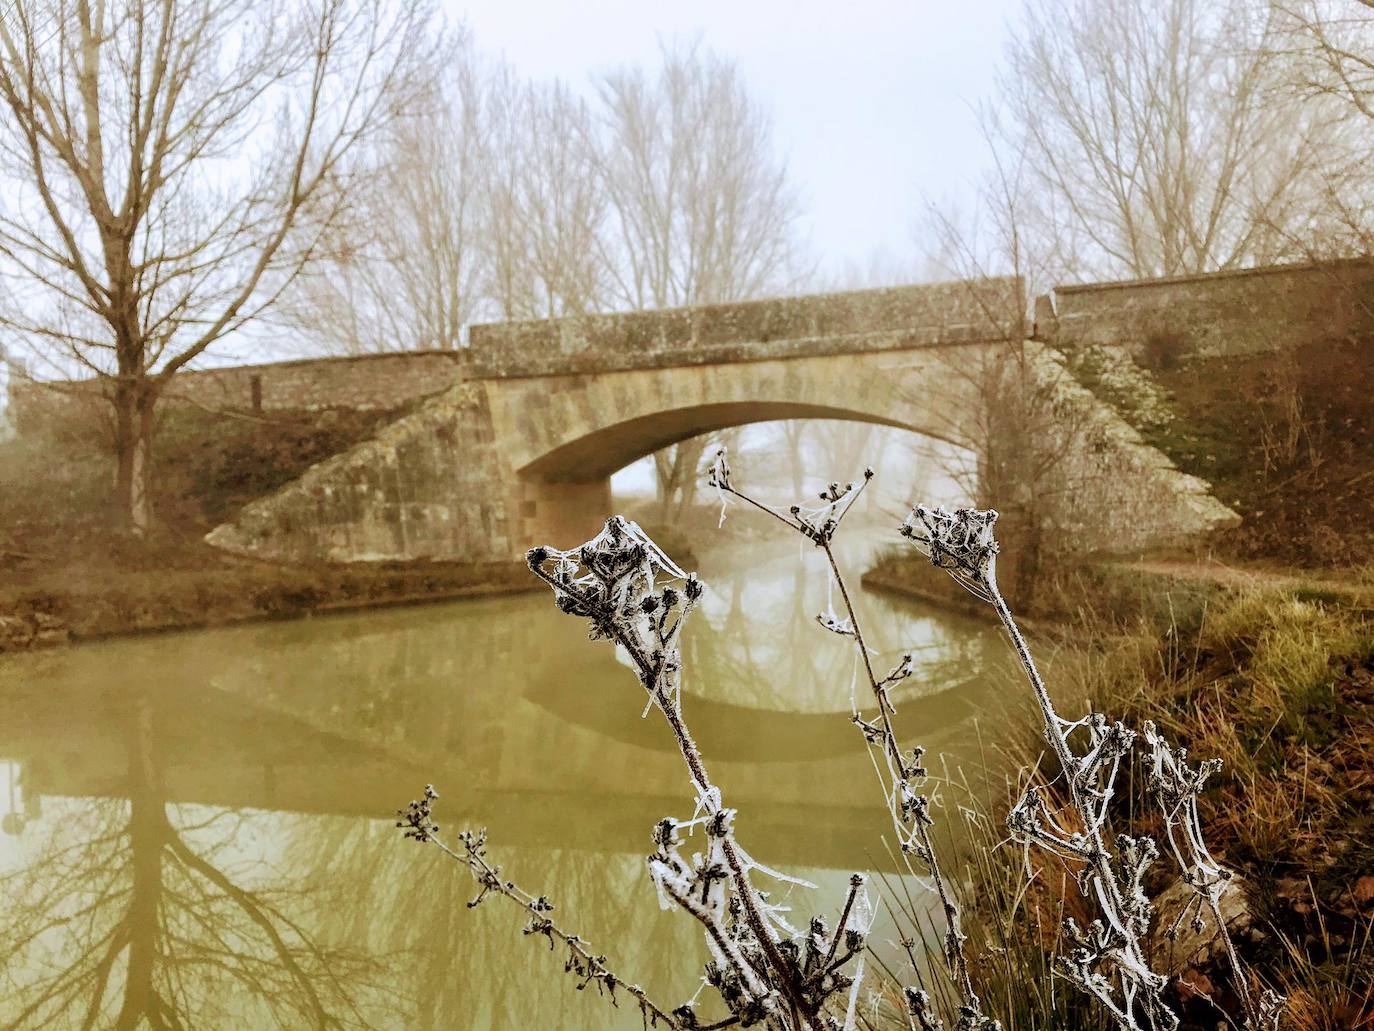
column 1271, row 670
column 1089, row 593
column 1285, row 438
column 67, row 575
column 92, row 584
column 136, row 588
column 1280, row 687
column 1116, row 590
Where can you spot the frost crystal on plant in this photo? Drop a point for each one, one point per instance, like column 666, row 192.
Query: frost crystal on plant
column 1108, row 958
column 959, row 542
column 764, row 970
column 613, row 581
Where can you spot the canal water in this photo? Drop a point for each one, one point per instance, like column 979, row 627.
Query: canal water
column 199, row 827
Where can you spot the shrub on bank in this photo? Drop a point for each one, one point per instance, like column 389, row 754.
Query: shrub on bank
column 1282, row 691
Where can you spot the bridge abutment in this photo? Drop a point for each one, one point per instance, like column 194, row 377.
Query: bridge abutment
column 562, row 514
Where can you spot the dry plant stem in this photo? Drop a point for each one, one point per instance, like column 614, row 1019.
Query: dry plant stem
column 1055, row 736
column 1256, row 1017
column 1242, row 982
column 491, row 879
column 957, row 959
column 650, row 674
column 1176, row 788
column 418, row 820
column 885, row 708
column 954, row 952
column 844, row 920
column 1098, row 856
column 962, row 544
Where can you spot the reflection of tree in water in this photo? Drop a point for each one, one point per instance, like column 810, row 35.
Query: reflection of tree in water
column 472, row 968
column 127, row 919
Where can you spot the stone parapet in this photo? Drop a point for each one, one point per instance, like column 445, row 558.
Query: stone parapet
column 372, row 381
column 1241, row 311
column 896, row 318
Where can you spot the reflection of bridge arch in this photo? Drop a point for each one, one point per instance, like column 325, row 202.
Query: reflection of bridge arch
column 522, row 450
column 733, row 732
column 220, row 750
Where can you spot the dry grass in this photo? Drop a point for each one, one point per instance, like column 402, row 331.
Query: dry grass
column 1281, row 689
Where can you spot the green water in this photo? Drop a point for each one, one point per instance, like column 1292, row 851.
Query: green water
column 199, row 827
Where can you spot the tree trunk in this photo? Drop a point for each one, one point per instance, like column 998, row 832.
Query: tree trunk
column 133, row 401
column 147, row 837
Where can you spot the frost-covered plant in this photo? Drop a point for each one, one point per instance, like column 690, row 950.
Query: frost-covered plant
column 766, row 972
column 582, row 963
column 901, row 774
column 1108, row 958
column 1175, row 787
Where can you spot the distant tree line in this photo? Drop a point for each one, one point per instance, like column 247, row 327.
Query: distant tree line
column 176, row 171
column 1139, row 138
column 506, row 198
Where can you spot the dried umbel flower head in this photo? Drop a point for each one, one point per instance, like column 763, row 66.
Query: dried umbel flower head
column 959, row 542
column 817, row 523
column 417, row 818
column 629, row 591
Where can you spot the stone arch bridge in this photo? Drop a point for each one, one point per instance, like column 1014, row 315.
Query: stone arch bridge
column 521, row 449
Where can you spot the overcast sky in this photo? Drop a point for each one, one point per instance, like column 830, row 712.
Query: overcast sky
column 872, row 101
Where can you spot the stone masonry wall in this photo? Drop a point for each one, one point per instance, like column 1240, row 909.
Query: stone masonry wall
column 429, row 486
column 895, row 318
column 1220, row 313
column 358, row 382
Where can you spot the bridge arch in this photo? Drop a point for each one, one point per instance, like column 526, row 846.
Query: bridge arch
column 611, row 448
column 585, row 428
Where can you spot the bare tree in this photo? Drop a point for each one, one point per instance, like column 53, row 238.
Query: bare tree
column 1335, row 42
column 1328, row 49
column 1021, row 433
column 1160, row 131
column 171, row 166
column 544, row 201
column 701, row 209
column 401, row 270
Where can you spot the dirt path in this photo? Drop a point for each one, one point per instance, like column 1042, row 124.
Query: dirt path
column 1216, row 572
